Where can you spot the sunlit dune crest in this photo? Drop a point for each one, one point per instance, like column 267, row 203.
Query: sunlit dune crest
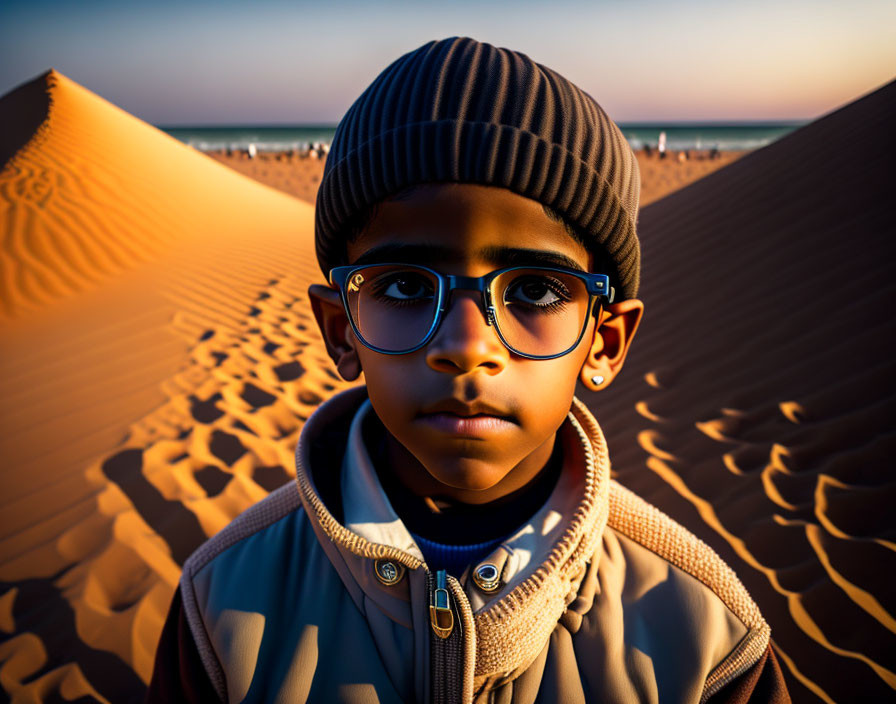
column 159, row 359
column 97, row 192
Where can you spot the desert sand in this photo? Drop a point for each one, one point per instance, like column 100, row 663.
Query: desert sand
column 159, row 359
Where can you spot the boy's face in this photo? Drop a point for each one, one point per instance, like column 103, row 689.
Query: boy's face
column 465, row 369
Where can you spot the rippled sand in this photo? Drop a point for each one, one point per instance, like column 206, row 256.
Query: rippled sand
column 762, row 384
column 159, row 359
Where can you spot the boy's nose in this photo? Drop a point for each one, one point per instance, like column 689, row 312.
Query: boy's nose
column 464, row 341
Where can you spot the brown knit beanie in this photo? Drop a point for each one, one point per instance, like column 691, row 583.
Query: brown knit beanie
column 459, row 110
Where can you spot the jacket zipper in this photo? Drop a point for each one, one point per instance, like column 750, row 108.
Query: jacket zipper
column 440, row 614
column 447, row 643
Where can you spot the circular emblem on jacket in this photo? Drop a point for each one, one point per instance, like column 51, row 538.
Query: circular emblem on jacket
column 388, row 572
column 486, row 577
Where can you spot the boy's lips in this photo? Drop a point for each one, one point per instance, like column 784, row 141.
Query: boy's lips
column 457, row 407
column 458, row 418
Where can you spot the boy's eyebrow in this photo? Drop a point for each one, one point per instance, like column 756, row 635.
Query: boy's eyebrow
column 427, row 254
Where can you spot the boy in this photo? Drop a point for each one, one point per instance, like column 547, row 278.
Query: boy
column 453, row 534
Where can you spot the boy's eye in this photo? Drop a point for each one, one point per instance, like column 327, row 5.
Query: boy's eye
column 537, row 291
column 404, row 286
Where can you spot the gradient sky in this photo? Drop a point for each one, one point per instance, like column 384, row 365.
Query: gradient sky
column 193, row 63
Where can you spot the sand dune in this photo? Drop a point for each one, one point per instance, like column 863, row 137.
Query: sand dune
column 157, row 363
column 159, row 359
column 763, row 379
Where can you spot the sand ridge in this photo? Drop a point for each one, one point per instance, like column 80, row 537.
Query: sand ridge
column 144, row 200
column 762, row 379
column 159, row 359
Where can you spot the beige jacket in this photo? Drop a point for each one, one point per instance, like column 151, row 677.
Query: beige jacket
column 318, row 593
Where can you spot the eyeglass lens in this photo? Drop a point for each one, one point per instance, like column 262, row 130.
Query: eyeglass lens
column 538, row 312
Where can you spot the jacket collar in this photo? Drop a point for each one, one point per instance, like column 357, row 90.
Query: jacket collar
column 541, row 565
column 368, row 512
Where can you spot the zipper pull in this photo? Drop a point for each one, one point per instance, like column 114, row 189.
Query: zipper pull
column 440, row 615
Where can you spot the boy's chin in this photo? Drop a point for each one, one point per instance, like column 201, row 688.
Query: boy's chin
column 465, row 479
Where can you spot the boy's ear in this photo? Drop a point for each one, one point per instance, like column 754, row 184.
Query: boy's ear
column 336, row 330
column 613, row 335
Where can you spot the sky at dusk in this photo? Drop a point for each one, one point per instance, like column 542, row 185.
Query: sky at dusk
column 229, row 63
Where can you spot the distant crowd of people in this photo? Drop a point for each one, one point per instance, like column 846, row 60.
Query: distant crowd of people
column 319, row 150
column 310, row 150
column 683, row 155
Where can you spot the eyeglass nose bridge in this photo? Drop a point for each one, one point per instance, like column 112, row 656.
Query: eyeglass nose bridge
column 469, row 283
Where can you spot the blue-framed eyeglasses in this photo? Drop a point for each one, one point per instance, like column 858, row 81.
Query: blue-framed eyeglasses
column 538, row 312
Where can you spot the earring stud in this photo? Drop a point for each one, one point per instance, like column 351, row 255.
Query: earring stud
column 598, row 380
